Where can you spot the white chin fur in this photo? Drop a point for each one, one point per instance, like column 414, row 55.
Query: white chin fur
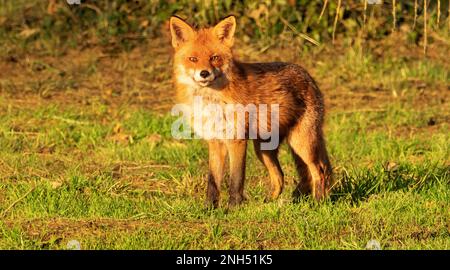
column 204, row 84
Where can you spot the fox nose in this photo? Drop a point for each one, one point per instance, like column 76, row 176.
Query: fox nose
column 204, row 73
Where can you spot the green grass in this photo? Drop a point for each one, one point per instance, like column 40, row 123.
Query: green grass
column 148, row 192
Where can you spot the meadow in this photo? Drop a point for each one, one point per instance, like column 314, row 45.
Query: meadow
column 86, row 151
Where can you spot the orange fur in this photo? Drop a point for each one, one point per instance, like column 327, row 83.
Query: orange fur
column 301, row 109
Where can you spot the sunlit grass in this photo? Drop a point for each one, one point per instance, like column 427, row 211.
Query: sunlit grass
column 391, row 188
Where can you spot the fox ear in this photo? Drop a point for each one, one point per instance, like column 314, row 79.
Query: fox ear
column 180, row 31
column 224, row 30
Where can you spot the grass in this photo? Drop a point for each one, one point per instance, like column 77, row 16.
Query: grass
column 86, row 153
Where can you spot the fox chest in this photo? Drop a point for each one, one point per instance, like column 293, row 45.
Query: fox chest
column 207, row 116
column 213, row 116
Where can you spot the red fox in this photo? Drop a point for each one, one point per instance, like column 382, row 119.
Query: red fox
column 204, row 67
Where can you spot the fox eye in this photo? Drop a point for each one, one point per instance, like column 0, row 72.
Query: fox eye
column 193, row 59
column 215, row 58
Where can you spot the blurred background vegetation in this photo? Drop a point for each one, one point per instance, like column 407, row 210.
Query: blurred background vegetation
column 44, row 24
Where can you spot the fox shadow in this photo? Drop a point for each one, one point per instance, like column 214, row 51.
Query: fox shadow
column 358, row 186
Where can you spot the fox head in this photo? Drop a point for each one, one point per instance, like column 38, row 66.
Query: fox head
column 202, row 57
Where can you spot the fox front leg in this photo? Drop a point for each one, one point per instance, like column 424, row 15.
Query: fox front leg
column 237, row 150
column 217, row 158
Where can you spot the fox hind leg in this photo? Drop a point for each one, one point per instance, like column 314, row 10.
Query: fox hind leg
column 308, row 145
column 304, row 185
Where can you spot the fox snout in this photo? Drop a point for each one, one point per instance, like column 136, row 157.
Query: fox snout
column 206, row 76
